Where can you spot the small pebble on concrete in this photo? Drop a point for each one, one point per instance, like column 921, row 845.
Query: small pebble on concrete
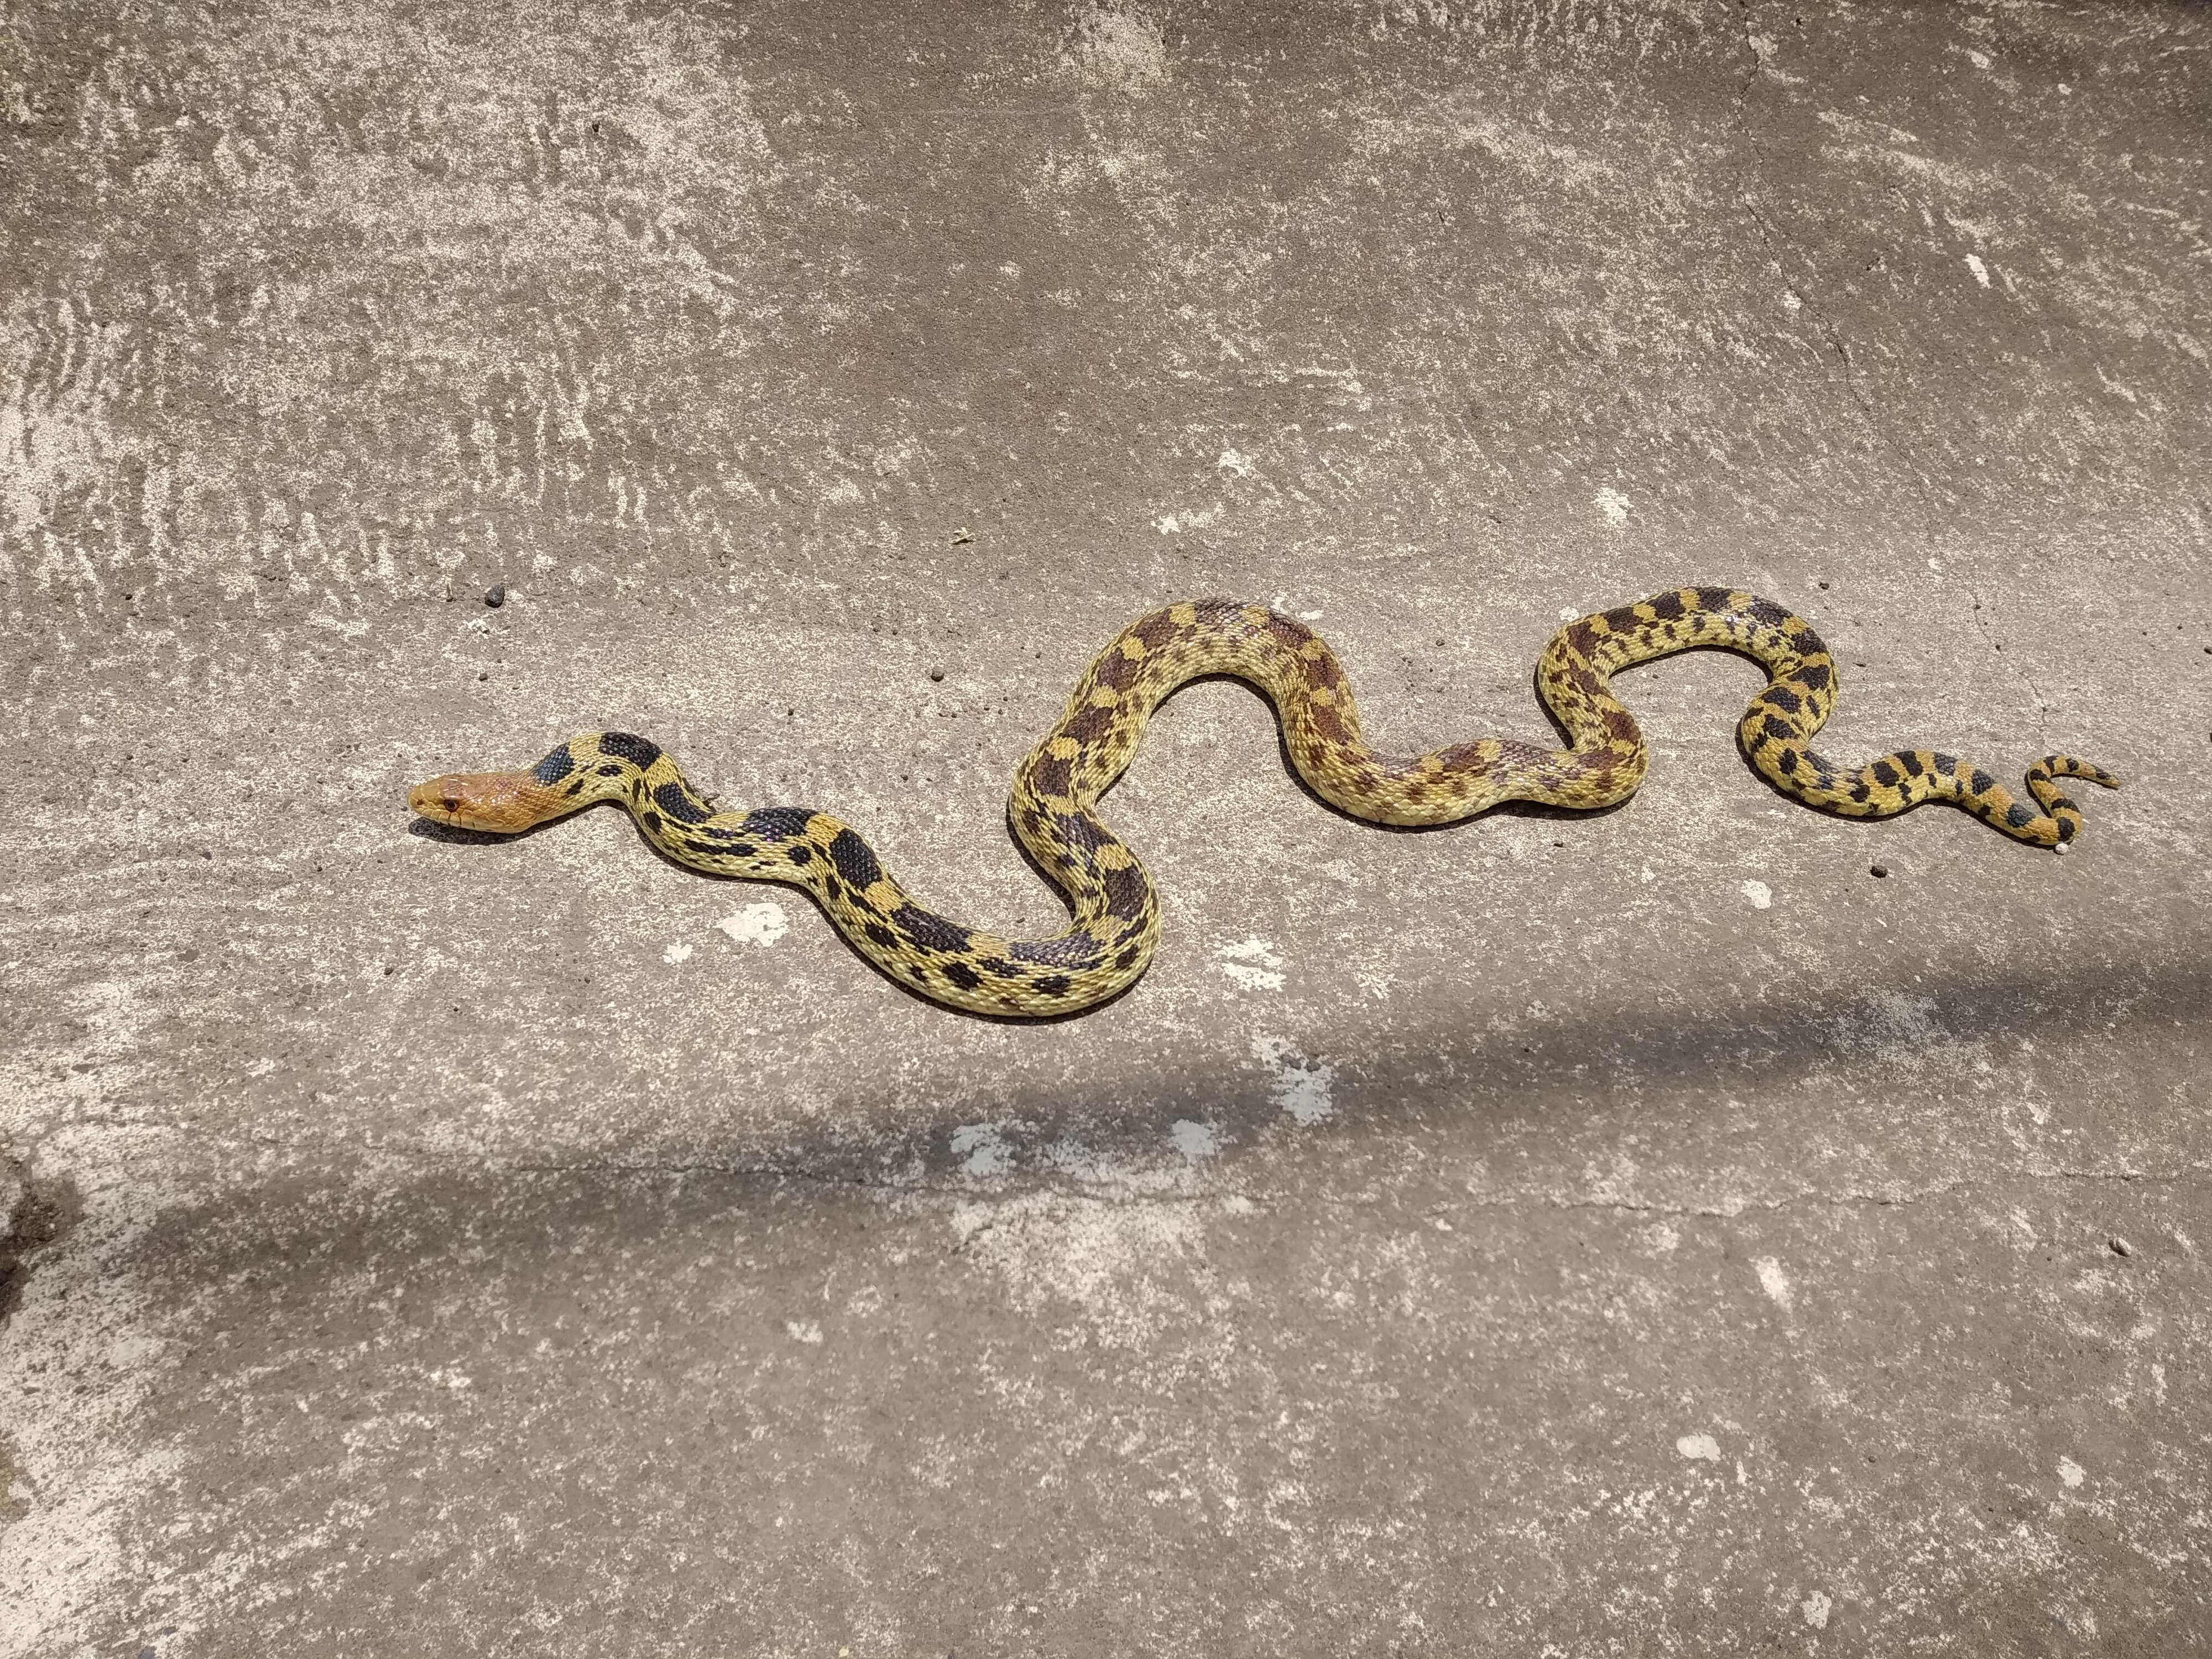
column 495, row 595
column 1878, row 872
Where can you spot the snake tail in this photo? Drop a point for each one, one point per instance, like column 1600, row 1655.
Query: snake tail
column 1114, row 924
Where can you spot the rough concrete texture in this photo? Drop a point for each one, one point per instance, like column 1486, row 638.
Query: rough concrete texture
column 1645, row 1234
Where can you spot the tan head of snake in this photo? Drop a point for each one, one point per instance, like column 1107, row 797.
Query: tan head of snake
column 1115, row 913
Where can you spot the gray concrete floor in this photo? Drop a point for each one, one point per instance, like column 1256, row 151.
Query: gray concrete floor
column 1649, row 1234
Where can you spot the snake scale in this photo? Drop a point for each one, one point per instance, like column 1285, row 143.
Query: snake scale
column 1114, row 922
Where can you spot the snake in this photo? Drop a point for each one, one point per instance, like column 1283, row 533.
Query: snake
column 1115, row 915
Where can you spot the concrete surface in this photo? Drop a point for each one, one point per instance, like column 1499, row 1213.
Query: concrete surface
column 1650, row 1234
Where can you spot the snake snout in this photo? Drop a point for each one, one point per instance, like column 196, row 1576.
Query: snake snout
column 440, row 799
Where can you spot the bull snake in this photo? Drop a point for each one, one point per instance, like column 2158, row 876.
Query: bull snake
column 1116, row 909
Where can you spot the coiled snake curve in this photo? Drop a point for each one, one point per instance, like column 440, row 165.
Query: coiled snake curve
column 1116, row 911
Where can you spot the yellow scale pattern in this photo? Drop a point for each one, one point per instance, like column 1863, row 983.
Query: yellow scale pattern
column 1115, row 924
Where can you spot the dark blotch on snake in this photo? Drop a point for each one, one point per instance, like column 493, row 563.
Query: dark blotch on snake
column 675, row 801
column 1053, row 984
column 1085, row 834
column 853, row 860
column 625, row 745
column 1884, row 774
column 555, row 767
column 2021, row 815
column 1050, row 775
column 1155, row 630
column 1126, row 891
column 1088, row 723
column 1076, row 951
column 777, row 824
column 963, row 975
column 1815, row 675
column 1668, row 607
column 928, row 930
column 1981, row 783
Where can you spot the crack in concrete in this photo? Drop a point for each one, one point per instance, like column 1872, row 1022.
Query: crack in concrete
column 1119, row 1194
column 1776, row 246
column 1863, row 1198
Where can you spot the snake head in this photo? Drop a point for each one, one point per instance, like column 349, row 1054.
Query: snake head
column 503, row 803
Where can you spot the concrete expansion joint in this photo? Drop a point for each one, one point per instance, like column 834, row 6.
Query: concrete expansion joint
column 1109, row 1193
column 1016, row 1183
column 1865, row 1199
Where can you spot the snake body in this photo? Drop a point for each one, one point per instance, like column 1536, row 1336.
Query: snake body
column 1114, row 922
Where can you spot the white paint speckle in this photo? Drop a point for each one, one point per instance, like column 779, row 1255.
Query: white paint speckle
column 1172, row 524
column 1981, row 272
column 1611, row 503
column 1193, row 1139
column 676, row 953
column 1758, row 893
column 1978, row 59
column 1814, row 1610
column 984, row 1150
column 2071, row 1473
column 129, row 1352
column 1301, row 1086
column 761, row 924
column 1252, row 963
column 1701, row 1448
column 1792, row 301
column 804, row 1330
column 1763, row 48
column 1235, row 461
column 1773, row 1281
column 1123, row 49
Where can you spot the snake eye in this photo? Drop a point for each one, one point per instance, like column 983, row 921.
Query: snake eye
column 452, row 804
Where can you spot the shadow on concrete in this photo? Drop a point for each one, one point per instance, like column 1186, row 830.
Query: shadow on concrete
column 1649, row 1068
